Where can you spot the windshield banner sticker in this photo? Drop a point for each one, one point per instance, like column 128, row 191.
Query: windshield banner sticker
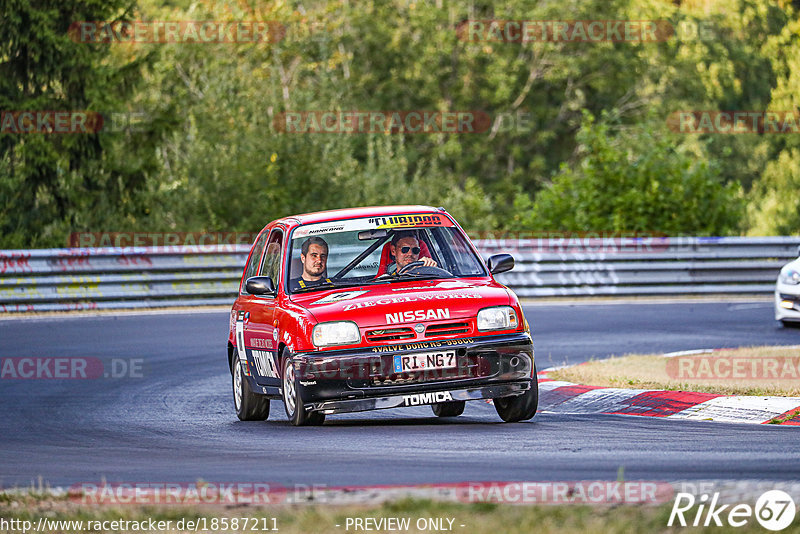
column 410, row 221
column 395, row 221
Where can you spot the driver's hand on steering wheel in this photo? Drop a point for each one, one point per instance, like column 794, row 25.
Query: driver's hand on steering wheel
column 428, row 262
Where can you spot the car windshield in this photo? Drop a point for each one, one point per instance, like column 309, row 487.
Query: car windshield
column 359, row 252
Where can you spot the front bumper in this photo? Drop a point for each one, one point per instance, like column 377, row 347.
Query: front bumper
column 417, row 399
column 366, row 378
column 787, row 303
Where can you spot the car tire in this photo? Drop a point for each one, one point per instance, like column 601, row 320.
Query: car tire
column 293, row 401
column 519, row 408
column 448, row 409
column 248, row 405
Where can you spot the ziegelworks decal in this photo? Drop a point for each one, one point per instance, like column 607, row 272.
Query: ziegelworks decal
column 448, row 284
column 418, row 315
column 408, row 298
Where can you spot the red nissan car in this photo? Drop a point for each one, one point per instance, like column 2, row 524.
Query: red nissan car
column 370, row 308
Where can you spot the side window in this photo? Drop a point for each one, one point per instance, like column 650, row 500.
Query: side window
column 432, row 244
column 464, row 261
column 272, row 259
column 255, row 257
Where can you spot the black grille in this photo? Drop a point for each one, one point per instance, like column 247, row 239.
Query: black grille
column 446, row 329
column 389, row 334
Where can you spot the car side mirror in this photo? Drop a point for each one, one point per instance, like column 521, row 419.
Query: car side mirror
column 260, row 285
column 500, row 263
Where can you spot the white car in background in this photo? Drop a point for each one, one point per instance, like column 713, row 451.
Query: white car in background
column 787, row 293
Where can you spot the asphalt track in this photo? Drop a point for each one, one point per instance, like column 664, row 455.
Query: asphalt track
column 175, row 422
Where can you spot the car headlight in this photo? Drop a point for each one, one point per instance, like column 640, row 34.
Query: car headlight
column 790, row 276
column 497, row 318
column 335, row 333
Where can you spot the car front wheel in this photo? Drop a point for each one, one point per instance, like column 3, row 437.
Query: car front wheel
column 519, row 408
column 248, row 405
column 293, row 401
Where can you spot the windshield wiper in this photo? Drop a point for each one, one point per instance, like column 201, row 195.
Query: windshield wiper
column 386, row 277
column 327, row 284
column 421, row 276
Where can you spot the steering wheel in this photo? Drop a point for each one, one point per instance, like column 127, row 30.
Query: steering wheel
column 408, row 267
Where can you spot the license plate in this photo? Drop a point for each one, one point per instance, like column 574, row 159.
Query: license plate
column 426, row 360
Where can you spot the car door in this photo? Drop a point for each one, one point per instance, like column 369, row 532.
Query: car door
column 261, row 333
column 244, row 303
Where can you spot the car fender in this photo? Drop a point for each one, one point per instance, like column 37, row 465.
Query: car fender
column 295, row 325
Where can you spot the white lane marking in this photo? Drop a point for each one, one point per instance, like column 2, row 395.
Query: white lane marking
column 688, row 352
column 739, row 409
column 602, row 400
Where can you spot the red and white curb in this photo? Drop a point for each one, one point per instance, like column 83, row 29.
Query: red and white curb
column 566, row 397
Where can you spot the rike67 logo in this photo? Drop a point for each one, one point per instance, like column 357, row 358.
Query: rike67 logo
column 774, row 510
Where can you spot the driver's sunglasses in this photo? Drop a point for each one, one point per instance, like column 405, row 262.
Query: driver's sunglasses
column 414, row 250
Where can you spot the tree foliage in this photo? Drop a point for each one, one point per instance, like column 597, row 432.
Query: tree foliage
column 635, row 182
column 207, row 156
column 53, row 183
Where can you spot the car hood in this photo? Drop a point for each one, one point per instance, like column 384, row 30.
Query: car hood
column 404, row 302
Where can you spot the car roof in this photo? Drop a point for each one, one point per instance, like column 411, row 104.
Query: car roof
column 355, row 213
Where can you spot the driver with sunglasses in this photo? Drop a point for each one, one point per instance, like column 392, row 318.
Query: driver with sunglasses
column 405, row 249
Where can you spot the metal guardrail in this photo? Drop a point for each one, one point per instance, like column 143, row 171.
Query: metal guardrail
column 646, row 266
column 108, row 278
column 143, row 277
